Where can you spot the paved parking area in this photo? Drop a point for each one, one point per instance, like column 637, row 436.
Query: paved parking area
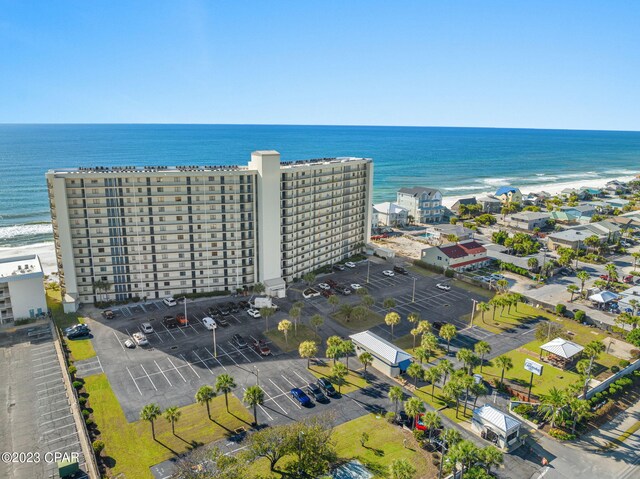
column 37, row 417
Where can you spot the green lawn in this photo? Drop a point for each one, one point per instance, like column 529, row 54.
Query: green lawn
column 54, row 303
column 372, row 319
column 353, row 381
column 80, row 349
column 304, row 333
column 406, row 343
column 385, row 444
column 505, row 320
column 130, row 447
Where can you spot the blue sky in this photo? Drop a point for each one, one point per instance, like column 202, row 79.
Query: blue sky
column 542, row 64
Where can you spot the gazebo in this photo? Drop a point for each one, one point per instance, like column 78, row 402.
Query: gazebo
column 560, row 352
column 603, row 298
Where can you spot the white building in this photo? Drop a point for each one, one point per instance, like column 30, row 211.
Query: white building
column 496, row 426
column 159, row 231
column 423, row 204
column 390, row 214
column 21, row 288
column 388, row 358
column 463, row 256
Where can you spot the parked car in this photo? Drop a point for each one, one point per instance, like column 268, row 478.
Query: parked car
column 437, row 325
column 222, row 321
column 146, row 328
column 628, row 279
column 78, row 333
column 300, row 396
column 260, row 345
column 443, row 287
column 343, row 290
column 315, row 392
column 169, row 301
column 400, row 270
column 420, row 425
column 388, row 272
column 233, row 307
column 487, row 279
column 625, row 244
column 212, row 312
column 496, row 277
column 355, row 286
column 76, row 327
column 170, row 322
column 350, row 264
column 244, row 304
column 140, row 339
column 326, row 386
column 239, row 341
column 254, row 313
column 310, row 293
column 332, row 283
column 338, row 267
column 209, row 323
column 224, row 310
column 129, row 344
column 108, row 314
column 326, row 293
column 182, row 320
column 606, row 277
column 324, row 286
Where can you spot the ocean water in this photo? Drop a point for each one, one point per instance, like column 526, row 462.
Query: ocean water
column 459, row 161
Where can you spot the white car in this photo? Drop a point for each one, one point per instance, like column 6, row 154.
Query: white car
column 209, row 323
column 388, row 272
column 324, row 286
column 254, row 313
column 625, row 244
column 349, row 264
column 140, row 339
column 146, row 328
column 169, row 302
column 443, row 287
column 487, row 279
column 497, row 277
column 355, row 286
column 130, row 344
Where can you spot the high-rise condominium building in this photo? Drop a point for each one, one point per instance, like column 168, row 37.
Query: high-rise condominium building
column 151, row 232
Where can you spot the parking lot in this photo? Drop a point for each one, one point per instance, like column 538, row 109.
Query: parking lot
column 37, row 417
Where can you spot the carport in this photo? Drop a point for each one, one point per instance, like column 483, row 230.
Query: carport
column 603, row 298
column 496, row 426
column 387, row 357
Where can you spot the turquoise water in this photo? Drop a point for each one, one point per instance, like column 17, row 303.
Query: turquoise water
column 459, row 161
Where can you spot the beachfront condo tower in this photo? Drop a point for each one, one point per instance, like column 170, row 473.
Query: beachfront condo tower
column 127, row 233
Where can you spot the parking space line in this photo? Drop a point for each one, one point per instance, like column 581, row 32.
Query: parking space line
column 285, row 394
column 150, row 380
column 63, row 447
column 71, row 424
column 292, row 385
column 228, row 355
column 263, row 409
column 56, row 401
column 38, row 348
column 203, row 362
column 230, row 344
column 273, row 398
column 56, row 410
column 234, row 317
column 305, row 381
column 162, row 372
column 189, row 364
column 46, row 375
column 50, row 382
column 56, row 419
column 181, row 329
column 119, row 342
column 167, row 330
column 55, row 366
column 174, row 367
column 62, row 437
column 44, row 353
column 217, row 360
column 134, row 381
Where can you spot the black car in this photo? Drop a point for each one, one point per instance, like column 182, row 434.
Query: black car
column 315, row 392
column 400, row 269
column 438, row 324
column 326, row 386
column 77, row 329
column 233, row 307
column 342, row 290
column 239, row 341
column 338, row 267
column 222, row 321
column 78, row 333
column 170, row 322
column 224, row 310
column 244, row 304
column 212, row 312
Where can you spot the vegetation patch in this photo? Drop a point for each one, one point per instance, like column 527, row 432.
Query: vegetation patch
column 303, row 333
column 353, row 380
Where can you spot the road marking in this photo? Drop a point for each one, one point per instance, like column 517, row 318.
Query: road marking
column 181, row 329
column 262, row 409
column 292, row 385
column 167, row 330
column 62, row 437
column 134, row 381
column 527, row 332
column 227, row 354
column 285, row 394
column 174, row 367
column 119, row 342
column 161, row 371
column 54, row 420
column 149, row 377
column 230, row 344
column 64, row 447
column 52, row 395
column 71, row 424
column 203, row 362
column 56, row 410
column 47, row 375
column 217, row 360
column 272, row 398
column 305, row 381
column 189, row 364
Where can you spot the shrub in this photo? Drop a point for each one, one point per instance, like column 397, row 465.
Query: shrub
column 561, row 435
column 77, row 384
column 89, row 422
column 561, row 309
column 615, row 369
column 449, row 273
column 86, row 413
column 82, row 401
column 633, row 337
column 73, row 370
column 514, row 269
column 98, row 446
column 624, row 363
column 579, row 315
column 390, row 416
column 419, row 435
column 635, row 353
column 523, row 409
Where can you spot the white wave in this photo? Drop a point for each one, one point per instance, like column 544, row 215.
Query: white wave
column 15, row 231
column 495, row 181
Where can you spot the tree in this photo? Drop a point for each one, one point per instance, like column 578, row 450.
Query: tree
column 311, row 448
column 258, row 288
column 346, row 349
column 451, row 436
column 464, row 453
column 424, row 327
column 339, row 372
column 448, row 332
column 285, row 326
column 433, row 375
column 415, row 371
column 612, row 272
column 467, row 357
column 367, row 301
column 533, row 263
column 295, row 313
column 150, row 413
column 414, row 332
column 499, row 237
column 413, row 406
column 366, row 359
column 572, row 289
column 452, row 391
column 253, row 397
column 552, row 403
column 334, row 301
column 491, row 456
column 483, row 308
column 225, row 384
column 309, row 278
column 389, row 303
column 362, row 292
column 446, row 368
column 466, row 382
column 583, row 276
column 478, row 389
column 272, row 443
column 359, row 313
column 636, row 257
column 204, row 396
column 308, row 349
column 432, row 421
column 395, row 396
column 413, row 318
column 172, row 415
column 482, row 348
column 392, row 319
column 502, row 285
column 421, row 354
column 580, row 409
column 316, row 322
column 505, row 363
column 593, row 350
column 266, row 313
column 452, row 238
column 345, row 311
column 430, row 344
column 401, row 469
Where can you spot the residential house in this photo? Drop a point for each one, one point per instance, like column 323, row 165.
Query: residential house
column 601, row 207
column 593, row 192
column 390, row 214
column 463, row 201
column 564, row 217
column 574, row 237
column 627, row 222
column 528, row 220
column 536, row 199
column 490, row 204
column 423, row 204
column 583, row 213
column 440, row 233
column 519, row 261
column 508, row 194
column 618, row 203
column 462, row 256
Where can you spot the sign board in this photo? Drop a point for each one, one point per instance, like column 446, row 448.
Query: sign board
column 533, row 367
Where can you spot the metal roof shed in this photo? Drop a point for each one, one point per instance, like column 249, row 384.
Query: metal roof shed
column 496, row 426
column 387, row 357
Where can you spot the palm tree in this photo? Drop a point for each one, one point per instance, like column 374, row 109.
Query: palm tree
column 295, row 313
column 505, row 363
column 413, row 318
column 451, row 436
column 339, row 372
column 414, row 332
column 467, row 358
column 466, row 382
column 430, row 344
column 636, row 257
column 366, row 359
column 612, row 271
column 266, row 313
column 414, row 406
column 225, row 384
column 334, row 301
column 432, row 421
column 316, row 321
column 452, row 391
column 494, row 303
column 573, row 289
column 395, row 396
column 477, row 389
column 593, row 351
column 392, row 319
column 502, row 285
column 491, row 456
column 448, row 332
column 367, row 301
column 465, row 453
column 415, row 371
column 483, row 308
column 401, row 469
column 481, row 348
column 421, row 354
column 150, row 413
column 433, row 375
column 254, row 396
column 635, row 304
column 551, row 404
column 204, row 396
column 347, row 348
column 533, row 263
column 308, row 349
column 446, row 368
column 285, row 326
column 583, row 276
column 389, row 303
column 580, row 409
column 172, row 414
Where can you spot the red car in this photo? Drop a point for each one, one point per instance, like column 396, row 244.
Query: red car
column 628, row 279
column 420, row 426
column 182, row 320
column 326, row 293
column 331, row 283
column 606, row 277
column 260, row 345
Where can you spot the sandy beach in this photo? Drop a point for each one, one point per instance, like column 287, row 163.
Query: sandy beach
column 46, row 252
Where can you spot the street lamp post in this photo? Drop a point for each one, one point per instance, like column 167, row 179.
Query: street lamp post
column 473, row 312
column 368, row 269
column 413, row 294
column 215, row 344
column 257, row 372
